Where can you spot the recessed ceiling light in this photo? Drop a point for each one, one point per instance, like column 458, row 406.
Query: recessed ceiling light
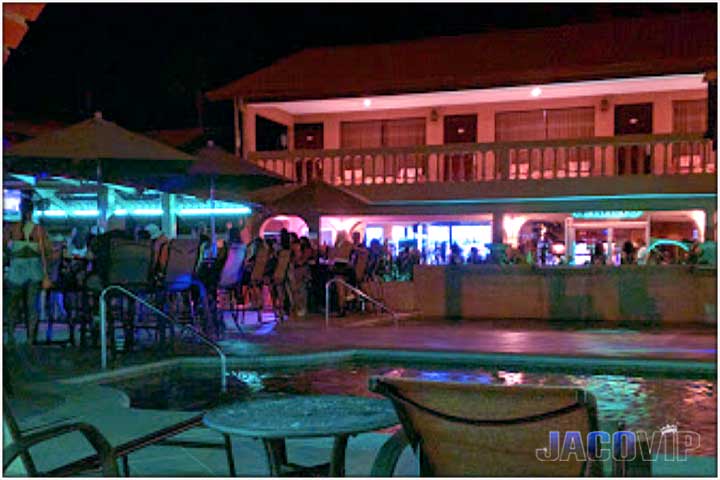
column 367, row 102
column 536, row 92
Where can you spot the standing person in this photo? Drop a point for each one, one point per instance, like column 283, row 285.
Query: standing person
column 598, row 257
column 341, row 268
column 474, row 256
column 456, row 257
column 628, row 253
column 29, row 253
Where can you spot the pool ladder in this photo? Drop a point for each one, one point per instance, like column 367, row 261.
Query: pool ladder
column 357, row 292
column 103, row 331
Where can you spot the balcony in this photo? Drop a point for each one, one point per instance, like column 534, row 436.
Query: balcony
column 644, row 155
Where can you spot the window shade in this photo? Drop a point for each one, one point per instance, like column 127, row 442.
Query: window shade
column 690, row 116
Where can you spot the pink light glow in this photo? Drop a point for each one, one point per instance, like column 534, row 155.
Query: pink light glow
column 536, row 92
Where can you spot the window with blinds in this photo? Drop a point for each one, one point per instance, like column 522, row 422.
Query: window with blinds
column 403, row 132
column 545, row 124
column 538, row 125
column 690, row 116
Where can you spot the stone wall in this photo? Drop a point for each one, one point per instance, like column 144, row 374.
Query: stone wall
column 646, row 294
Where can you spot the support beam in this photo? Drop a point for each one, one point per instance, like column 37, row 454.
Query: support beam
column 105, row 205
column 169, row 217
column 237, row 103
column 711, row 79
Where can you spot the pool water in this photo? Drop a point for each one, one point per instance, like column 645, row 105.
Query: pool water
column 642, row 403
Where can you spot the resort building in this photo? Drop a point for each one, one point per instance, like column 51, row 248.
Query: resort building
column 588, row 133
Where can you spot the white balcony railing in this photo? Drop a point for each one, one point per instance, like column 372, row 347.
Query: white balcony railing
column 482, row 162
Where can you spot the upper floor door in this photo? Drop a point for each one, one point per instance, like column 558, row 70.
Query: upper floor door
column 308, row 136
column 459, row 129
column 633, row 119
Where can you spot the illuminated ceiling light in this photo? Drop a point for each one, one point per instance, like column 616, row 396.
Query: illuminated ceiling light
column 367, row 103
column 147, row 212
column 536, row 92
column 597, row 214
column 216, row 211
column 85, row 213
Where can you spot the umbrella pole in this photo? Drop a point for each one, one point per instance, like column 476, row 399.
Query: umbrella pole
column 101, row 203
column 213, row 237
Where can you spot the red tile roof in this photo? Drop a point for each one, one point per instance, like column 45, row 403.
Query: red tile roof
column 684, row 43
column 15, row 18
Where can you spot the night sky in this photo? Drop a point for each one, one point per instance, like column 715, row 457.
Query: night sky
column 144, row 65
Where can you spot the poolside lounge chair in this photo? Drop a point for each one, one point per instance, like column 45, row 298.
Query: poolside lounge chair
column 113, row 432
column 463, row 429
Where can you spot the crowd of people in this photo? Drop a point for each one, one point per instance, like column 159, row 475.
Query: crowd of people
column 291, row 268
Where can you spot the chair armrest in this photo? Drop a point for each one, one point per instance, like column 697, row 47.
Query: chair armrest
column 389, row 454
column 96, row 439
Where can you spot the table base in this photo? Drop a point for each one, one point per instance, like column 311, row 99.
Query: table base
column 276, row 454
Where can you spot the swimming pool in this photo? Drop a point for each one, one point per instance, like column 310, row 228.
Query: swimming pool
column 642, row 402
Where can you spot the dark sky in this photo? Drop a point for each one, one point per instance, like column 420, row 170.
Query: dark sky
column 143, row 65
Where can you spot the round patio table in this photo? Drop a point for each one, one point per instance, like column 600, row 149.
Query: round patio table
column 274, row 420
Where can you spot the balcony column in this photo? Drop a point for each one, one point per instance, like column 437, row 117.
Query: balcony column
column 497, row 247
column 711, row 79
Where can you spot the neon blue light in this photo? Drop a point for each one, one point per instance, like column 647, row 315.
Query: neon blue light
column 148, row 212
column 216, row 211
column 85, row 213
column 120, row 212
column 597, row 214
column 52, row 213
column 665, row 241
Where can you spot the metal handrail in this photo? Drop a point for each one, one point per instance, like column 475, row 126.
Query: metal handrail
column 357, row 291
column 103, row 331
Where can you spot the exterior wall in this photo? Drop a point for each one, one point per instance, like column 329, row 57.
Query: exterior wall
column 664, row 294
column 604, row 120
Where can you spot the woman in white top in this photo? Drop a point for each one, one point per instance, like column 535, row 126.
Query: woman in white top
column 29, row 251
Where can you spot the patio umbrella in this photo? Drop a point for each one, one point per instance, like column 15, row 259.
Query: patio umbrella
column 314, row 198
column 96, row 148
column 217, row 170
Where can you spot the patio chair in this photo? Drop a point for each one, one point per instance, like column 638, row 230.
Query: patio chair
column 229, row 286
column 465, row 429
column 279, row 287
column 130, row 264
column 48, row 445
column 179, row 278
column 257, row 278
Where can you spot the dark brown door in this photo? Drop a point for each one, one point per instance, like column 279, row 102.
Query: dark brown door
column 460, row 129
column 308, row 136
column 634, row 119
